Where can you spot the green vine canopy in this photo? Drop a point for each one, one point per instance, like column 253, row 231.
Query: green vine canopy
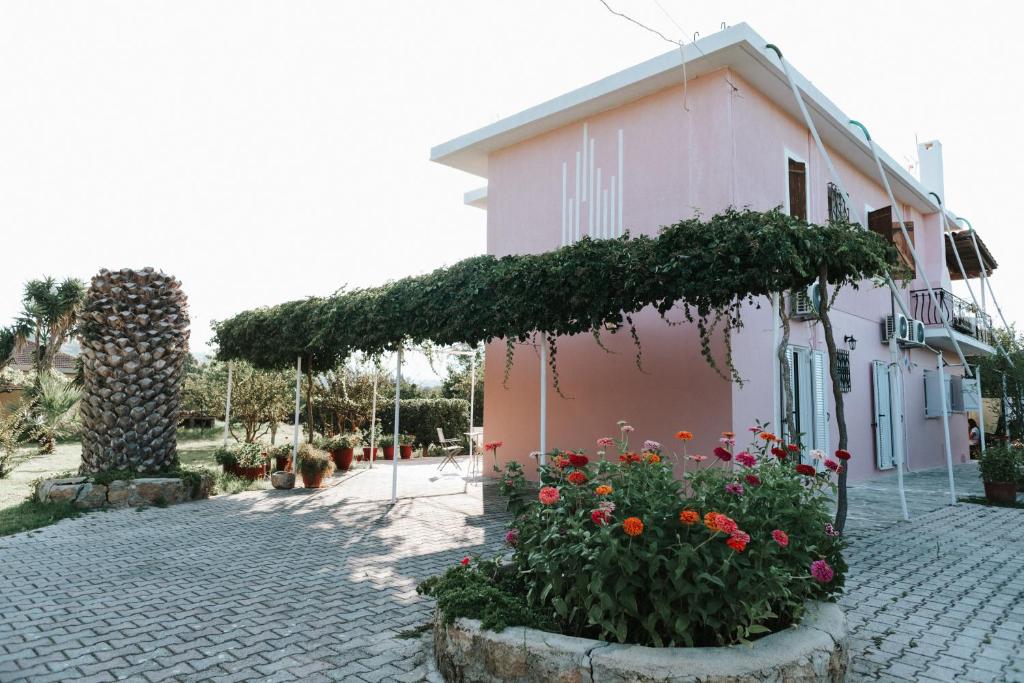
column 706, row 268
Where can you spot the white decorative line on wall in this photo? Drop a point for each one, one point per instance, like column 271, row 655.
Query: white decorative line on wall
column 593, row 208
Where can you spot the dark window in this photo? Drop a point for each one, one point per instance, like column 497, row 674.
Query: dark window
column 837, row 210
column 843, row 365
column 798, row 189
column 882, row 222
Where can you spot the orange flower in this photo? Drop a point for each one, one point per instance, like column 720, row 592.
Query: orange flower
column 603, row 490
column 728, row 435
column 633, row 526
column 577, row 477
column 652, row 458
column 768, row 436
column 711, row 521
column 684, row 435
column 689, row 517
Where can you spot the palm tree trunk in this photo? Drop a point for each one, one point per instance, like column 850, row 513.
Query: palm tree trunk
column 837, row 394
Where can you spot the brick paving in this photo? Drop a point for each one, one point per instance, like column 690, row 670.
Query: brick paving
column 318, row 586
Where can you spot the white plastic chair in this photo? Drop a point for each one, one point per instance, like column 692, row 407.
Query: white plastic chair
column 451, row 447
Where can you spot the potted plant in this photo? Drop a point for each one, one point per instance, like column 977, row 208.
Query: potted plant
column 250, row 462
column 342, row 448
column 405, row 445
column 282, row 457
column 225, row 457
column 314, row 465
column 387, row 442
column 1000, row 468
column 367, row 454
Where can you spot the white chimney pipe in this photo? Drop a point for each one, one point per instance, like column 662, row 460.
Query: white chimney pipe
column 929, row 156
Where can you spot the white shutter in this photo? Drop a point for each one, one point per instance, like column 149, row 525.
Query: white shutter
column 932, row 397
column 883, row 415
column 956, row 393
column 818, row 373
column 790, row 430
column 972, row 395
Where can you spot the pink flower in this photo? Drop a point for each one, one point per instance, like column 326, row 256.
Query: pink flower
column 754, row 430
column 781, row 537
column 728, row 441
column 723, row 454
column 651, row 446
column 831, row 530
column 738, row 540
column 746, row 459
column 512, row 537
column 832, row 465
column 549, row 495
column 606, row 442
column 734, row 488
column 600, row 516
column 696, row 458
column 627, row 428
column 465, row 561
column 821, row 572
column 753, row 480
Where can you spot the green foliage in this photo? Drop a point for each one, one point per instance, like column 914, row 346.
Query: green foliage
column 241, row 454
column 1001, row 464
column 259, row 398
column 49, row 317
column 31, row 514
column 421, row 417
column 624, row 564
column 486, row 590
column 708, row 268
column 340, row 441
column 313, row 461
column 994, row 368
column 13, row 422
column 406, row 439
column 55, row 401
column 457, row 383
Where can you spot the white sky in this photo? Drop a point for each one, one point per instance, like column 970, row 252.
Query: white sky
column 265, row 151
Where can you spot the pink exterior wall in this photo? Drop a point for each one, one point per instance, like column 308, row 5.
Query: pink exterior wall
column 729, row 149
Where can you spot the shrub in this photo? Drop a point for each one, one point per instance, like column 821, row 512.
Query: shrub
column 240, row 454
column 313, row 461
column 406, row 439
column 386, row 440
column 421, row 417
column 621, row 550
column 1001, row 464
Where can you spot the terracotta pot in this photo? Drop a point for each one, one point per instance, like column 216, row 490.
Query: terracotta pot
column 426, row 451
column 1001, row 492
column 406, row 451
column 389, row 452
column 343, row 458
column 315, row 481
column 366, row 453
column 283, row 463
column 251, row 473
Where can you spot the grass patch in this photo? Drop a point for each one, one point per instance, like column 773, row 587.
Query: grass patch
column 982, row 500
column 31, row 514
column 230, row 484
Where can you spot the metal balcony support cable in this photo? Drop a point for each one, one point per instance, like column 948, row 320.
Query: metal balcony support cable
column 899, row 444
column 985, row 282
column 963, row 271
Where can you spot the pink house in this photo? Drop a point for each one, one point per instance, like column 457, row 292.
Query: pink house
column 657, row 143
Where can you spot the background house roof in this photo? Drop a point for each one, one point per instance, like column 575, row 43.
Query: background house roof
column 23, row 359
column 738, row 47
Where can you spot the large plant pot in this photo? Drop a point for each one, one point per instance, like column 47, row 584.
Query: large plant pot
column 343, row 458
column 283, row 463
column 1001, row 492
column 389, row 452
column 251, row 473
column 405, row 452
column 314, row 481
column 229, row 469
column 367, row 455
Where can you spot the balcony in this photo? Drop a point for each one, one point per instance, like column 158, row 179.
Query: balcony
column 972, row 328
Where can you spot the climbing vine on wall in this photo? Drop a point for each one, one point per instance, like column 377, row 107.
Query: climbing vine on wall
column 708, row 268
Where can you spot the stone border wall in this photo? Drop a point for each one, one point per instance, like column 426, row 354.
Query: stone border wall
column 84, row 493
column 815, row 650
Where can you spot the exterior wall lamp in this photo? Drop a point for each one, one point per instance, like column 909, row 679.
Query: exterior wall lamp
column 851, row 342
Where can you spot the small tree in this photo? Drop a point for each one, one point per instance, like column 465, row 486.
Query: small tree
column 49, row 318
column 56, row 407
column 456, row 384
column 994, row 369
column 260, row 399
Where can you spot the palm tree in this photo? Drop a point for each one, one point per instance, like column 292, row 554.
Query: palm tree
column 49, row 317
column 56, row 407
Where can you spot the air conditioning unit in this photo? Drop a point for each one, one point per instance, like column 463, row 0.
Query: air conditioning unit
column 917, row 337
column 896, row 326
column 804, row 305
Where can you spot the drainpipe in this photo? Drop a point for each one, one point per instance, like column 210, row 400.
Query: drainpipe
column 981, row 408
column 897, row 430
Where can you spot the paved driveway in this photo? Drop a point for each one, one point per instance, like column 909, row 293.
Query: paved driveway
column 321, row 586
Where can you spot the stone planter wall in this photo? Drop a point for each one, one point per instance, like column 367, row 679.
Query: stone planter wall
column 84, row 493
column 816, row 650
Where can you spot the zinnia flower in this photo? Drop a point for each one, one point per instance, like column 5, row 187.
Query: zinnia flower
column 738, row 540
column 633, row 526
column 721, row 523
column 727, row 441
column 577, row 477
column 830, row 530
column 723, row 454
column 711, row 521
column 779, row 453
column 549, row 495
column 599, row 516
column 753, row 479
column 512, row 537
column 696, row 458
column 807, row 470
column 653, row 458
column 628, row 428
column 781, row 537
column 493, row 445
column 728, row 435
column 684, row 435
column 561, row 462
column 652, row 446
column 465, row 561
column 689, row 517
column 843, row 454
column 735, row 488
column 607, row 506
column 606, row 442
column 577, row 460
column 832, row 465
column 767, row 436
column 817, row 454
column 793, row 448
column 821, row 572
column 603, row 490
column 746, row 459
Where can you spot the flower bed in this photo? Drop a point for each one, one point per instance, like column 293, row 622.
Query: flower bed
column 619, row 550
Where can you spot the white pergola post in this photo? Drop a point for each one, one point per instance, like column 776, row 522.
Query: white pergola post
column 472, row 400
column 981, row 409
column 1006, row 412
column 945, row 426
column 895, row 396
column 373, row 420
column 543, row 402
column 398, row 396
column 776, row 367
column 295, row 432
column 227, row 408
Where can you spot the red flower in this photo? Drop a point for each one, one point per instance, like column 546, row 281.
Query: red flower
column 577, row 477
column 599, row 517
column 781, row 537
column 493, row 445
column 793, row 448
column 577, row 460
column 562, row 462
column 738, row 540
column 806, row 470
column 779, row 453
column 465, row 561
column 843, row 455
column 832, row 465
column 753, row 479
column 723, row 454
